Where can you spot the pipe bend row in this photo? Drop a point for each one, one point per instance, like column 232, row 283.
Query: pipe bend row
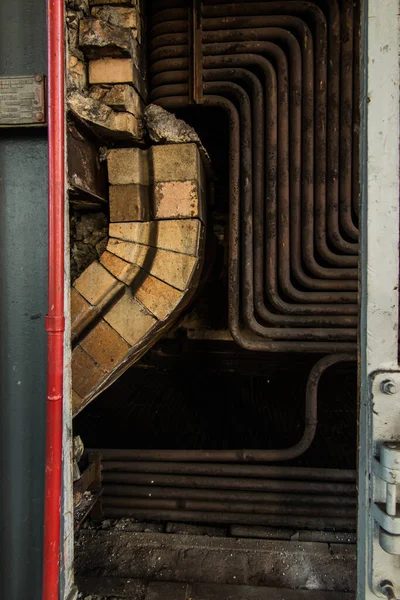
column 275, row 333
column 237, row 28
column 287, row 12
column 270, row 317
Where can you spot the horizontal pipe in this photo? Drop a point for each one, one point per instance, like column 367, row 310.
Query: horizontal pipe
column 135, row 491
column 230, row 506
column 337, row 523
column 230, row 483
column 129, row 460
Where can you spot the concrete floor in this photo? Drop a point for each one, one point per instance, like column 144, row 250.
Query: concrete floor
column 114, row 560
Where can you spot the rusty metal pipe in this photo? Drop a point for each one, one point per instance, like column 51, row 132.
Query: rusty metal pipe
column 297, row 522
column 119, row 459
column 346, row 123
column 229, row 483
column 230, row 506
column 135, row 491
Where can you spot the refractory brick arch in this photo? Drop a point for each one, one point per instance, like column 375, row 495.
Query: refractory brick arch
column 123, row 302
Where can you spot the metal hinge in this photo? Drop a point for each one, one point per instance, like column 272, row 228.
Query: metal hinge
column 384, row 470
column 387, row 468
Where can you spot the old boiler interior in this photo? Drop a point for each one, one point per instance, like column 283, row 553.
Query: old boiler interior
column 222, row 208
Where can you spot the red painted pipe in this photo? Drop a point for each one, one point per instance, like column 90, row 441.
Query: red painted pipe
column 55, row 318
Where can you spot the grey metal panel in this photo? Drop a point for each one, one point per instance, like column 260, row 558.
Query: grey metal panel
column 23, row 277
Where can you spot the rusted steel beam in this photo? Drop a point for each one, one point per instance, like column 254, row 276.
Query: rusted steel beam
column 196, row 53
column 87, row 176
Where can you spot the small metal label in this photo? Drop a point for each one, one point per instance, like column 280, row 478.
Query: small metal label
column 22, row 101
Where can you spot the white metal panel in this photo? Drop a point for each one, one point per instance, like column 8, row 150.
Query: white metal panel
column 379, row 412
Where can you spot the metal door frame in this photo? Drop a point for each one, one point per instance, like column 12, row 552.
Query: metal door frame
column 379, row 321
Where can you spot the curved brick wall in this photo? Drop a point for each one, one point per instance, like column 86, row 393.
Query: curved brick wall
column 122, row 303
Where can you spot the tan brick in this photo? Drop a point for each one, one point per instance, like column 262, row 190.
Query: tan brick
column 126, row 126
column 82, row 313
column 128, row 165
column 96, row 284
column 132, row 232
column 136, row 254
column 158, row 297
column 111, row 70
column 129, row 202
column 119, row 70
column 118, row 267
column 176, row 162
column 119, row 16
column 177, row 200
column 173, row 268
column 86, row 374
column 105, row 346
column 98, row 38
column 178, row 235
column 104, row 120
column 130, row 319
column 77, row 401
column 76, row 74
column 121, row 97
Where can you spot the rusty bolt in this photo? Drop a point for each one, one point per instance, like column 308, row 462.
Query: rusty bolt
column 38, row 78
column 388, row 387
column 39, row 116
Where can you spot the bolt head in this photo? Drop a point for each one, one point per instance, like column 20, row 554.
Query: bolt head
column 39, row 116
column 388, row 387
column 38, row 78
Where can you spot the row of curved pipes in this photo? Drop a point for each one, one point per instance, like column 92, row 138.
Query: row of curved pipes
column 285, row 75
